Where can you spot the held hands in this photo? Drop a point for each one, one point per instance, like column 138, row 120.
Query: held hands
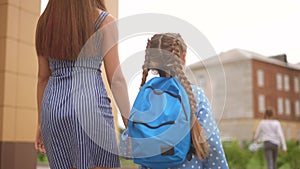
column 39, row 145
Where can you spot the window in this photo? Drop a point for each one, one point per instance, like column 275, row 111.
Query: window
column 261, row 103
column 297, row 108
column 296, row 84
column 260, row 78
column 202, row 81
column 287, row 107
column 279, row 81
column 280, row 105
column 286, row 82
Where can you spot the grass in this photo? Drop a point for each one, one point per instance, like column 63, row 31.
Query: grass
column 127, row 163
column 254, row 164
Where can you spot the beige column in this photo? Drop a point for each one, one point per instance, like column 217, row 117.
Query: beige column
column 113, row 7
column 18, row 66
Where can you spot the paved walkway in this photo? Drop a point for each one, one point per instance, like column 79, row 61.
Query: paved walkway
column 42, row 167
column 47, row 167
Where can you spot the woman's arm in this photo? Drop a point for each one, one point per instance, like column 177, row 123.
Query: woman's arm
column 257, row 133
column 281, row 136
column 43, row 76
column 113, row 70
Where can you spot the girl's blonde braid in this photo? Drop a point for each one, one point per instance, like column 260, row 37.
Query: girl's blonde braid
column 146, row 64
column 172, row 61
column 198, row 136
column 150, row 58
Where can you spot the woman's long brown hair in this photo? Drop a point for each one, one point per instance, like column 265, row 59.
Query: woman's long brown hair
column 171, row 62
column 65, row 26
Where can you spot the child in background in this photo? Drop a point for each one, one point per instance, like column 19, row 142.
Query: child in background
column 270, row 131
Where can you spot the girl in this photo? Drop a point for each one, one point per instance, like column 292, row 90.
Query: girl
column 165, row 54
column 271, row 133
column 75, row 122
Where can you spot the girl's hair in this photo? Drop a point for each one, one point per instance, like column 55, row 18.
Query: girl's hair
column 65, row 26
column 163, row 53
column 268, row 113
column 101, row 5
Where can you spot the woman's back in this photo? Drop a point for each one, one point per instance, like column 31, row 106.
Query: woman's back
column 76, row 117
column 269, row 130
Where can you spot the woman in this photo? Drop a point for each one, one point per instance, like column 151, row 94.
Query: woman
column 76, row 126
column 270, row 132
column 165, row 54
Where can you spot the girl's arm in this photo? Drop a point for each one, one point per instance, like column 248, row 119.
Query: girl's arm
column 216, row 158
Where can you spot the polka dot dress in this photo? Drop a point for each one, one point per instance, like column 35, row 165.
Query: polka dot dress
column 216, row 158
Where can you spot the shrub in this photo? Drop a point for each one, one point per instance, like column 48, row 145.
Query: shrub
column 237, row 157
column 259, row 157
column 292, row 156
column 41, row 157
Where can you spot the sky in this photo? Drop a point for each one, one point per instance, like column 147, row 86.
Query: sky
column 267, row 27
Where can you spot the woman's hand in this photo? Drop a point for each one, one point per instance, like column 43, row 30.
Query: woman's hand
column 39, row 145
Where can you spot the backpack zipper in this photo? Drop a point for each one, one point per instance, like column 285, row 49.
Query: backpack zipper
column 153, row 127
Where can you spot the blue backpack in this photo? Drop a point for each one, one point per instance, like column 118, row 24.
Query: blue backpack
column 159, row 124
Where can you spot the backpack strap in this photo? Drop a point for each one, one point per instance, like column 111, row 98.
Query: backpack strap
column 191, row 152
column 100, row 19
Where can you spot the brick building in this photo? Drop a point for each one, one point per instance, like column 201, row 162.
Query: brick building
column 242, row 84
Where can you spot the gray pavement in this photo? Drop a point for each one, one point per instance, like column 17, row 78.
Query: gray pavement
column 45, row 166
column 42, row 167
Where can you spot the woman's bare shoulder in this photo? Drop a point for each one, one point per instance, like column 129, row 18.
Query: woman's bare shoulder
column 109, row 19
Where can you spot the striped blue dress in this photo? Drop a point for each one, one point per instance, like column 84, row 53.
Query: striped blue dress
column 76, row 118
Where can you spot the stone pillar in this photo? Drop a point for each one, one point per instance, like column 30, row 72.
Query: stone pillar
column 113, row 7
column 18, row 69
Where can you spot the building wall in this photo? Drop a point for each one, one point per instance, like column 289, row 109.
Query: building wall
column 290, row 122
column 233, row 83
column 18, row 83
column 241, row 112
column 238, row 110
column 18, row 70
column 206, row 80
column 240, row 129
column 113, row 7
column 239, row 91
column 270, row 88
